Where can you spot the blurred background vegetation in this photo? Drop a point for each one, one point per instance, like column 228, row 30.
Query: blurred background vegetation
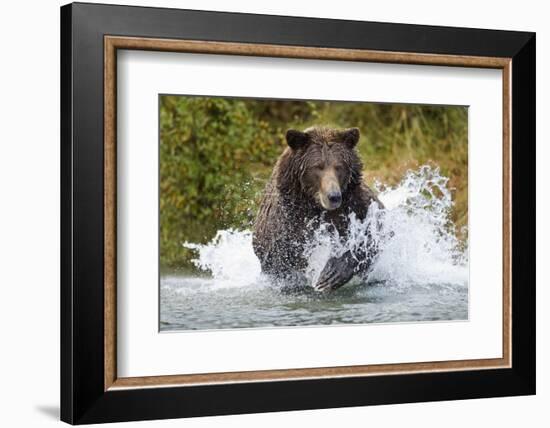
column 216, row 155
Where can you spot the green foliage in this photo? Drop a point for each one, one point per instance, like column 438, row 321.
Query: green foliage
column 216, row 155
column 211, row 152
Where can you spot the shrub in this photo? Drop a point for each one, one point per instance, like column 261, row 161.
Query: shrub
column 213, row 157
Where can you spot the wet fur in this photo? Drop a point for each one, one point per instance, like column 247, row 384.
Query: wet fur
column 290, row 210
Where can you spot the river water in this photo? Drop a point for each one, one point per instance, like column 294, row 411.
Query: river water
column 420, row 275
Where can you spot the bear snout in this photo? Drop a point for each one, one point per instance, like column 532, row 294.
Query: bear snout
column 330, row 192
column 331, row 200
column 335, row 199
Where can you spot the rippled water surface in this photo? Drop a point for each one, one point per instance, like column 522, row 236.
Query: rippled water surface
column 196, row 303
column 420, row 274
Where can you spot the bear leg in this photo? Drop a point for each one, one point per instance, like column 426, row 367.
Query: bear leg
column 336, row 272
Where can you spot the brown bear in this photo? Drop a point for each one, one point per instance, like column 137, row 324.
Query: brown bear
column 318, row 178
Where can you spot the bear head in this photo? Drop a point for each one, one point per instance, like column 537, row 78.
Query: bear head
column 322, row 164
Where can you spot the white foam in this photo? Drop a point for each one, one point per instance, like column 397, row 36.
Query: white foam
column 229, row 257
column 424, row 248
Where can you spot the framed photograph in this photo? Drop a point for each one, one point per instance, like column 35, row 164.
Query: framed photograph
column 266, row 213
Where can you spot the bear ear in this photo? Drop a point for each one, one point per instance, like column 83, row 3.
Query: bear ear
column 351, row 136
column 296, row 139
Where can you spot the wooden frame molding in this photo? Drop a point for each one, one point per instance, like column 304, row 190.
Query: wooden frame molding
column 113, row 43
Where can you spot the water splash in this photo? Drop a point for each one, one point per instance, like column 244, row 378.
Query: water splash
column 424, row 248
column 229, row 257
column 417, row 241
